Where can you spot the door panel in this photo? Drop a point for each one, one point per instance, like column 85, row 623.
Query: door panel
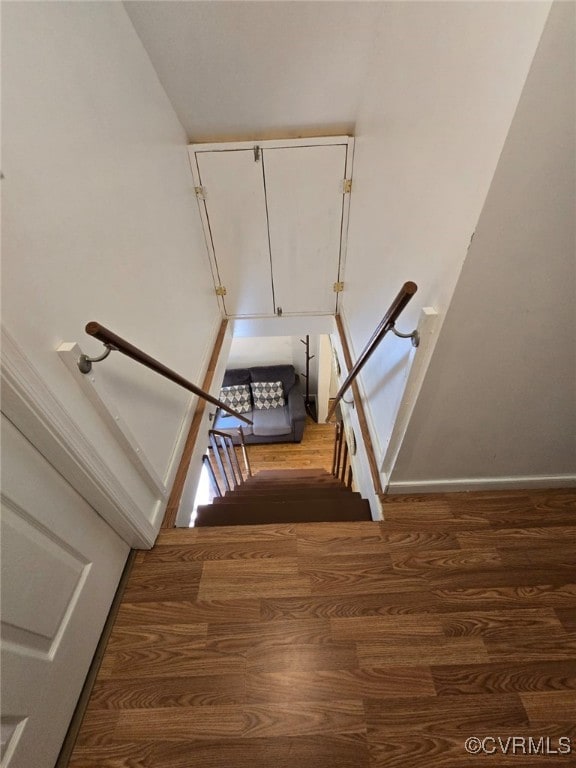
column 304, row 192
column 61, row 564
column 236, row 210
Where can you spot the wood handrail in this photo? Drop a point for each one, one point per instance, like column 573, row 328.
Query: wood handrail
column 220, row 434
column 386, row 324
column 121, row 345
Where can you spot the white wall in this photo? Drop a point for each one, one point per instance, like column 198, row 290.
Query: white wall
column 283, row 326
column 440, row 94
column 498, row 406
column 100, row 221
column 261, row 350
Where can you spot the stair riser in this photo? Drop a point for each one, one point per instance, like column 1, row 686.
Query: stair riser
column 282, row 498
column 206, row 522
column 292, row 473
column 282, row 512
column 294, row 484
column 300, row 492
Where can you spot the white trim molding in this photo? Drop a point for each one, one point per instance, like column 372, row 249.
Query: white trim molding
column 483, row 484
column 32, row 407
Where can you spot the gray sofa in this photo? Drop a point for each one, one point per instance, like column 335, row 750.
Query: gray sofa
column 277, row 425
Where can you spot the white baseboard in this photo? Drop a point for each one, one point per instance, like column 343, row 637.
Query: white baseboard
column 483, row 484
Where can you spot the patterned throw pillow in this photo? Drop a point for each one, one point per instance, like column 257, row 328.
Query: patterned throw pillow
column 236, row 397
column 267, row 394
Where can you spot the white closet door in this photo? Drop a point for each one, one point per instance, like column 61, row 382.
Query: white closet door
column 304, row 190
column 60, row 568
column 236, row 211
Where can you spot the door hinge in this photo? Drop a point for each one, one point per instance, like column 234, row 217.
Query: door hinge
column 256, row 154
column 200, row 192
column 220, row 291
column 338, row 287
column 347, row 186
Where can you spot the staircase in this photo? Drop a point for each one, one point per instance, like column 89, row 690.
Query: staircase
column 286, row 496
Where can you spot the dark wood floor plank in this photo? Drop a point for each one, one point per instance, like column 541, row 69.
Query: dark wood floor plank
column 317, row 751
column 244, row 638
column 168, row 662
column 447, row 714
column 364, row 541
column 296, row 658
column 559, row 500
column 496, row 598
column 373, row 628
column 141, row 636
column 504, row 576
column 118, row 755
column 350, row 605
column 468, row 679
column 495, row 625
column 414, row 538
column 325, row 685
column 354, row 574
column 550, row 706
column 567, row 617
column 400, row 651
column 163, row 581
column 227, row 550
column 188, row 611
column 516, row 537
column 552, row 646
column 445, row 560
column 253, row 578
column 219, row 721
column 224, row 536
column 249, row 721
column 558, row 556
column 304, row 718
column 97, row 728
column 145, row 693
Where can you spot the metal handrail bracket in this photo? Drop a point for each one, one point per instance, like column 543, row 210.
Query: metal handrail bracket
column 386, row 324
column 114, row 342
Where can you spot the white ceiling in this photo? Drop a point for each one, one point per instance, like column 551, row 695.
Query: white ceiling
column 257, row 70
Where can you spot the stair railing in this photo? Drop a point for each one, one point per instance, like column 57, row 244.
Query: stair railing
column 341, row 466
column 113, row 342
column 211, row 475
column 385, row 326
column 222, row 461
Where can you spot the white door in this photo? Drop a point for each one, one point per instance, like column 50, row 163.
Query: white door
column 304, row 196
column 238, row 232
column 61, row 564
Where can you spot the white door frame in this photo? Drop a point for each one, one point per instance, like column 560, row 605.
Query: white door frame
column 40, row 416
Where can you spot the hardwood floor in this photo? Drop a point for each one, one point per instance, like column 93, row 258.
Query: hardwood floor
column 347, row 645
column 315, row 450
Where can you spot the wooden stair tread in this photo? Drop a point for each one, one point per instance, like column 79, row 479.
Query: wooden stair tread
column 312, row 472
column 296, row 484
